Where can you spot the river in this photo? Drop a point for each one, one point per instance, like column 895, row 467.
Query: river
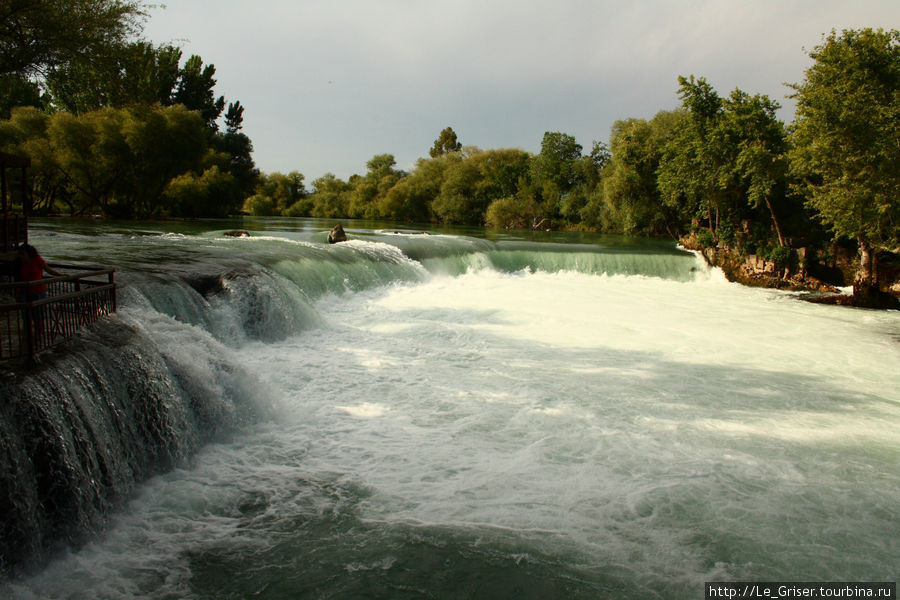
column 455, row 414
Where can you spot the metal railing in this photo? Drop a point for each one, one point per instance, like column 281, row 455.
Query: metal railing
column 72, row 302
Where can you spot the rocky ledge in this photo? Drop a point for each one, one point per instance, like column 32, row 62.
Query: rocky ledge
column 802, row 273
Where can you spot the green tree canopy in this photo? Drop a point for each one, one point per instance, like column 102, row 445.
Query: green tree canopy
column 140, row 73
column 36, row 35
column 330, row 197
column 846, row 140
column 195, row 90
column 758, row 142
column 628, row 199
column 555, row 164
column 115, row 161
column 689, row 171
column 725, row 163
column 132, row 73
column 276, row 193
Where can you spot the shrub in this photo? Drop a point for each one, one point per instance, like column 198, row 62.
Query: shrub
column 706, row 239
column 780, row 255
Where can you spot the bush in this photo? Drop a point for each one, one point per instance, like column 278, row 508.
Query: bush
column 725, row 232
column 706, row 239
column 512, row 213
column 780, row 255
column 259, row 205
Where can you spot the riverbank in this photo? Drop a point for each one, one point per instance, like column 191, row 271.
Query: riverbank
column 803, row 272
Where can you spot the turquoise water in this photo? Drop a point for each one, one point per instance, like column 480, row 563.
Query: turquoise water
column 458, row 415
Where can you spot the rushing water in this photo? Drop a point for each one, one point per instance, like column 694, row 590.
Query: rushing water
column 451, row 416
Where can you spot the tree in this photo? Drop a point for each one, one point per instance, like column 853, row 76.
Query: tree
column 276, row 193
column 514, row 212
column 239, row 149
column 458, row 202
column 555, row 171
column 195, row 90
column 368, row 191
column 88, row 151
column 162, row 143
column 555, row 163
column 193, row 195
column 445, row 143
column 115, row 161
column 17, row 91
column 411, row 198
column 760, row 140
column 628, row 199
column 126, row 74
column 689, row 172
column 25, row 133
column 36, row 35
column 234, row 117
column 726, row 162
column 845, row 142
column 331, row 197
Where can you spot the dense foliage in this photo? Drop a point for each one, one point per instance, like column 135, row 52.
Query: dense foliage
column 113, row 126
column 37, row 35
column 846, row 148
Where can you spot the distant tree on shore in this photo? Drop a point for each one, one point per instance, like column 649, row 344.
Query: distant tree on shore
column 627, row 199
column 138, row 162
column 279, row 194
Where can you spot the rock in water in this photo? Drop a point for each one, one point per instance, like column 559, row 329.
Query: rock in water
column 337, row 235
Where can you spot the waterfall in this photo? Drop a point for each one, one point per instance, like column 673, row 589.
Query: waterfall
column 137, row 394
column 584, row 416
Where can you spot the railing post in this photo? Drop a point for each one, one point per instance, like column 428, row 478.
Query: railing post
column 3, row 185
column 29, row 337
column 112, row 282
column 27, row 199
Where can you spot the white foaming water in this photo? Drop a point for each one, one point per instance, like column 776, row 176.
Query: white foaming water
column 624, row 435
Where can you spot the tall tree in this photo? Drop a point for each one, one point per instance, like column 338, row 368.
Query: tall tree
column 239, row 149
column 846, row 142
column 458, row 201
column 556, row 171
column 195, row 90
column 234, row 117
column 759, row 165
column 689, row 172
column 445, row 143
column 628, row 199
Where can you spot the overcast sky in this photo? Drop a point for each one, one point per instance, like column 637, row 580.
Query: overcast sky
column 328, row 84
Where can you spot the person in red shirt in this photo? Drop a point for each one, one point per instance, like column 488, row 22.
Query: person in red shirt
column 31, row 268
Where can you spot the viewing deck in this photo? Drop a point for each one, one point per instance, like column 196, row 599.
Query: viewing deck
column 72, row 302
